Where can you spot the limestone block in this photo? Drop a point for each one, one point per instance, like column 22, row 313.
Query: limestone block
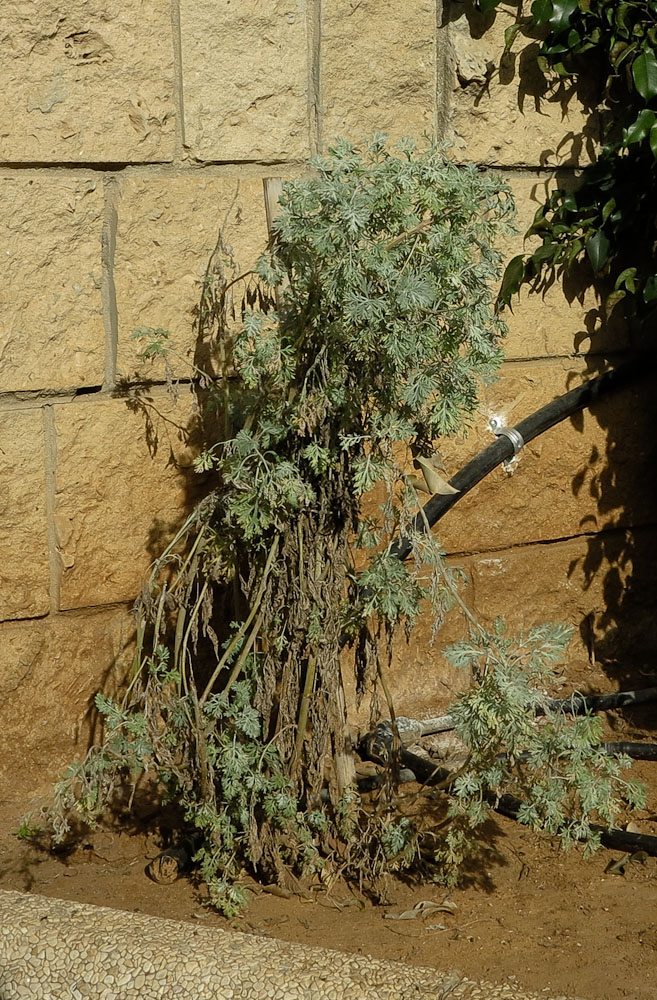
column 245, row 79
column 86, row 81
column 420, row 679
column 602, row 585
column 124, row 484
column 567, row 317
column 51, row 324
column 502, row 111
column 507, row 584
column 24, row 561
column 167, row 231
column 587, row 473
column 49, row 673
column 378, row 68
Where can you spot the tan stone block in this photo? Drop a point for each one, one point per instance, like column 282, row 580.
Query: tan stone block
column 51, row 324
column 49, row 673
column 167, row 231
column 124, row 483
column 24, row 560
column 565, row 318
column 587, row 473
column 501, row 110
column 245, row 79
column 420, row 679
column 533, row 584
column 601, row 585
column 378, row 68
column 86, row 81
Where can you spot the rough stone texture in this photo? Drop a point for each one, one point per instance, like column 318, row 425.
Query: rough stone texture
column 86, row 81
column 55, row 949
column 49, row 673
column 558, row 591
column 599, row 584
column 587, row 473
column 167, row 230
column 419, row 676
column 566, row 318
column 124, row 482
column 504, row 113
column 24, row 563
column 378, row 68
column 51, row 325
column 245, row 79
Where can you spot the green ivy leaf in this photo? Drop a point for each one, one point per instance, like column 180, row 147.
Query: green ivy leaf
column 609, row 207
column 542, row 11
column 510, row 35
column 626, row 278
column 653, row 140
column 650, row 289
column 621, row 17
column 562, row 11
column 512, row 279
column 639, row 128
column 644, row 71
column 613, row 300
column 597, row 250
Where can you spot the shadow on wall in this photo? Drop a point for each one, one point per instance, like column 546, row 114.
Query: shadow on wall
column 622, row 538
column 178, row 420
column 518, row 71
column 621, row 551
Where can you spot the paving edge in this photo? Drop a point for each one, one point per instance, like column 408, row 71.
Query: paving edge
column 53, row 949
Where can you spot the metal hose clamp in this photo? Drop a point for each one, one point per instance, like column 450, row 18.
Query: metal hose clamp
column 514, row 436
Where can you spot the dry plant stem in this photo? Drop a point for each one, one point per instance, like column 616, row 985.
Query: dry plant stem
column 177, row 641
column 248, row 646
column 345, row 765
column 246, row 624
column 192, row 619
column 409, row 232
column 191, row 556
column 302, row 721
column 158, row 617
column 136, row 660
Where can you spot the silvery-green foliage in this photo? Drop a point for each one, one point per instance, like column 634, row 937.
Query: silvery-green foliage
column 518, row 745
column 367, row 338
column 383, row 264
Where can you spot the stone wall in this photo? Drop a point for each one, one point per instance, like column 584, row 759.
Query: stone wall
column 128, row 133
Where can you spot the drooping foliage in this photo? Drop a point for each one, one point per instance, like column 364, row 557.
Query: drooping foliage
column 361, row 340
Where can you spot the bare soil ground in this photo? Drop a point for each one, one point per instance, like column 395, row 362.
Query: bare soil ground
column 530, row 913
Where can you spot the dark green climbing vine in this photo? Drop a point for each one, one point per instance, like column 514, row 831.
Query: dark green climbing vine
column 610, row 218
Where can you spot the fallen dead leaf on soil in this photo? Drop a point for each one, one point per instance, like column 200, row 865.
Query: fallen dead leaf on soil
column 425, row 908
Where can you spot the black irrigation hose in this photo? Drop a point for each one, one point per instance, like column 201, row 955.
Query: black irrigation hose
column 618, row 840
column 637, row 751
column 537, row 423
column 508, row 805
column 579, row 704
column 502, row 449
column 574, row 704
column 429, row 771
